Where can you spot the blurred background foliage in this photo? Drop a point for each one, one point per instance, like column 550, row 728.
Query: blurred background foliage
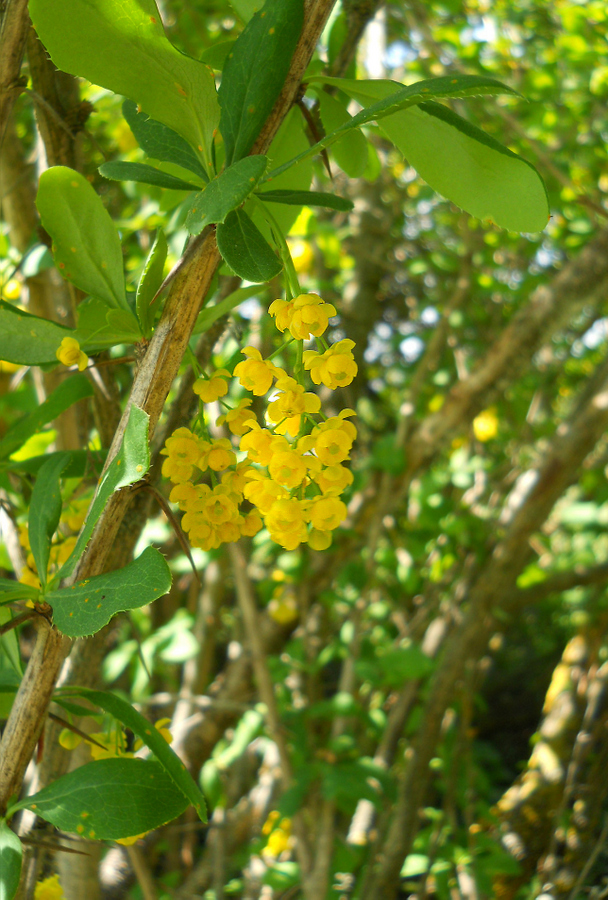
column 359, row 637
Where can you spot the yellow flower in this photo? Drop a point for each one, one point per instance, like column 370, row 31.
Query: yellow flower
column 334, row 479
column 485, row 425
column 254, row 373
column 285, row 522
column 319, row 540
column 326, row 513
column 12, row 289
column 305, row 316
column 332, row 446
column 219, row 455
column 290, row 404
column 112, row 744
column 287, row 468
column 302, row 255
column 49, row 889
column 257, row 444
column 251, row 524
column 210, row 389
column 70, row 354
column 184, row 451
column 262, row 492
column 283, row 607
column 240, row 419
column 335, row 368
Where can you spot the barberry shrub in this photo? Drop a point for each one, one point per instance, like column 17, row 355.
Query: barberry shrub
column 253, row 433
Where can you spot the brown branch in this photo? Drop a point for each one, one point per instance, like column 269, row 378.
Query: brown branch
column 13, row 32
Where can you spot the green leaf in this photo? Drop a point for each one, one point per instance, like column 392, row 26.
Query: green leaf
column 255, row 72
column 86, row 245
column 308, row 198
column 128, row 466
column 121, row 45
column 10, row 862
column 246, row 8
column 9, row 643
column 350, row 152
column 109, row 799
column 245, row 249
column 470, row 168
column 130, row 171
column 86, row 606
column 150, row 281
column 461, row 162
column 100, row 327
column 76, row 387
column 79, row 463
column 45, row 512
column 390, row 102
column 225, row 193
column 28, row 340
column 216, row 55
column 140, row 726
column 161, row 142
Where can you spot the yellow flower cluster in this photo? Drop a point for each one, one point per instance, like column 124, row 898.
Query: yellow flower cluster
column 278, row 833
column 293, row 471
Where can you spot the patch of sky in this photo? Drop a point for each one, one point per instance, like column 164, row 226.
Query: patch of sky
column 249, row 309
column 429, row 316
column 398, row 53
column 411, row 348
column 596, row 335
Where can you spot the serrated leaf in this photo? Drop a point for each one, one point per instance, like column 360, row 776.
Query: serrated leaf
column 121, row 45
column 130, row 171
column 391, row 102
column 225, row 193
column 161, row 142
column 350, row 152
column 86, row 606
column 245, row 249
column 150, row 281
column 28, row 340
column 128, row 466
column 255, row 72
column 11, row 853
column 307, row 198
column 109, row 799
column 70, row 391
column 45, row 512
column 372, row 89
column 86, row 246
column 140, row 726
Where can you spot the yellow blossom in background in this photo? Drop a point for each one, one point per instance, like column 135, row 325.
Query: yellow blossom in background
column 49, row 889
column 302, row 256
column 210, row 389
column 279, row 838
column 485, row 425
column 70, row 354
column 12, row 289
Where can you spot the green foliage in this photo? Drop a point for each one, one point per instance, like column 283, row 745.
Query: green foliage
column 109, row 799
column 140, row 726
column 86, row 246
column 245, row 249
column 121, row 45
column 45, row 510
column 128, row 171
column 27, row 339
column 225, row 193
column 150, row 282
column 128, row 466
column 255, row 72
column 86, row 606
column 10, row 862
column 161, row 142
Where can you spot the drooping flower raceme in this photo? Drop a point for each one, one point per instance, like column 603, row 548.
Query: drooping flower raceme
column 292, row 470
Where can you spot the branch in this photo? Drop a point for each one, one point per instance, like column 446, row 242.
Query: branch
column 13, row 32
